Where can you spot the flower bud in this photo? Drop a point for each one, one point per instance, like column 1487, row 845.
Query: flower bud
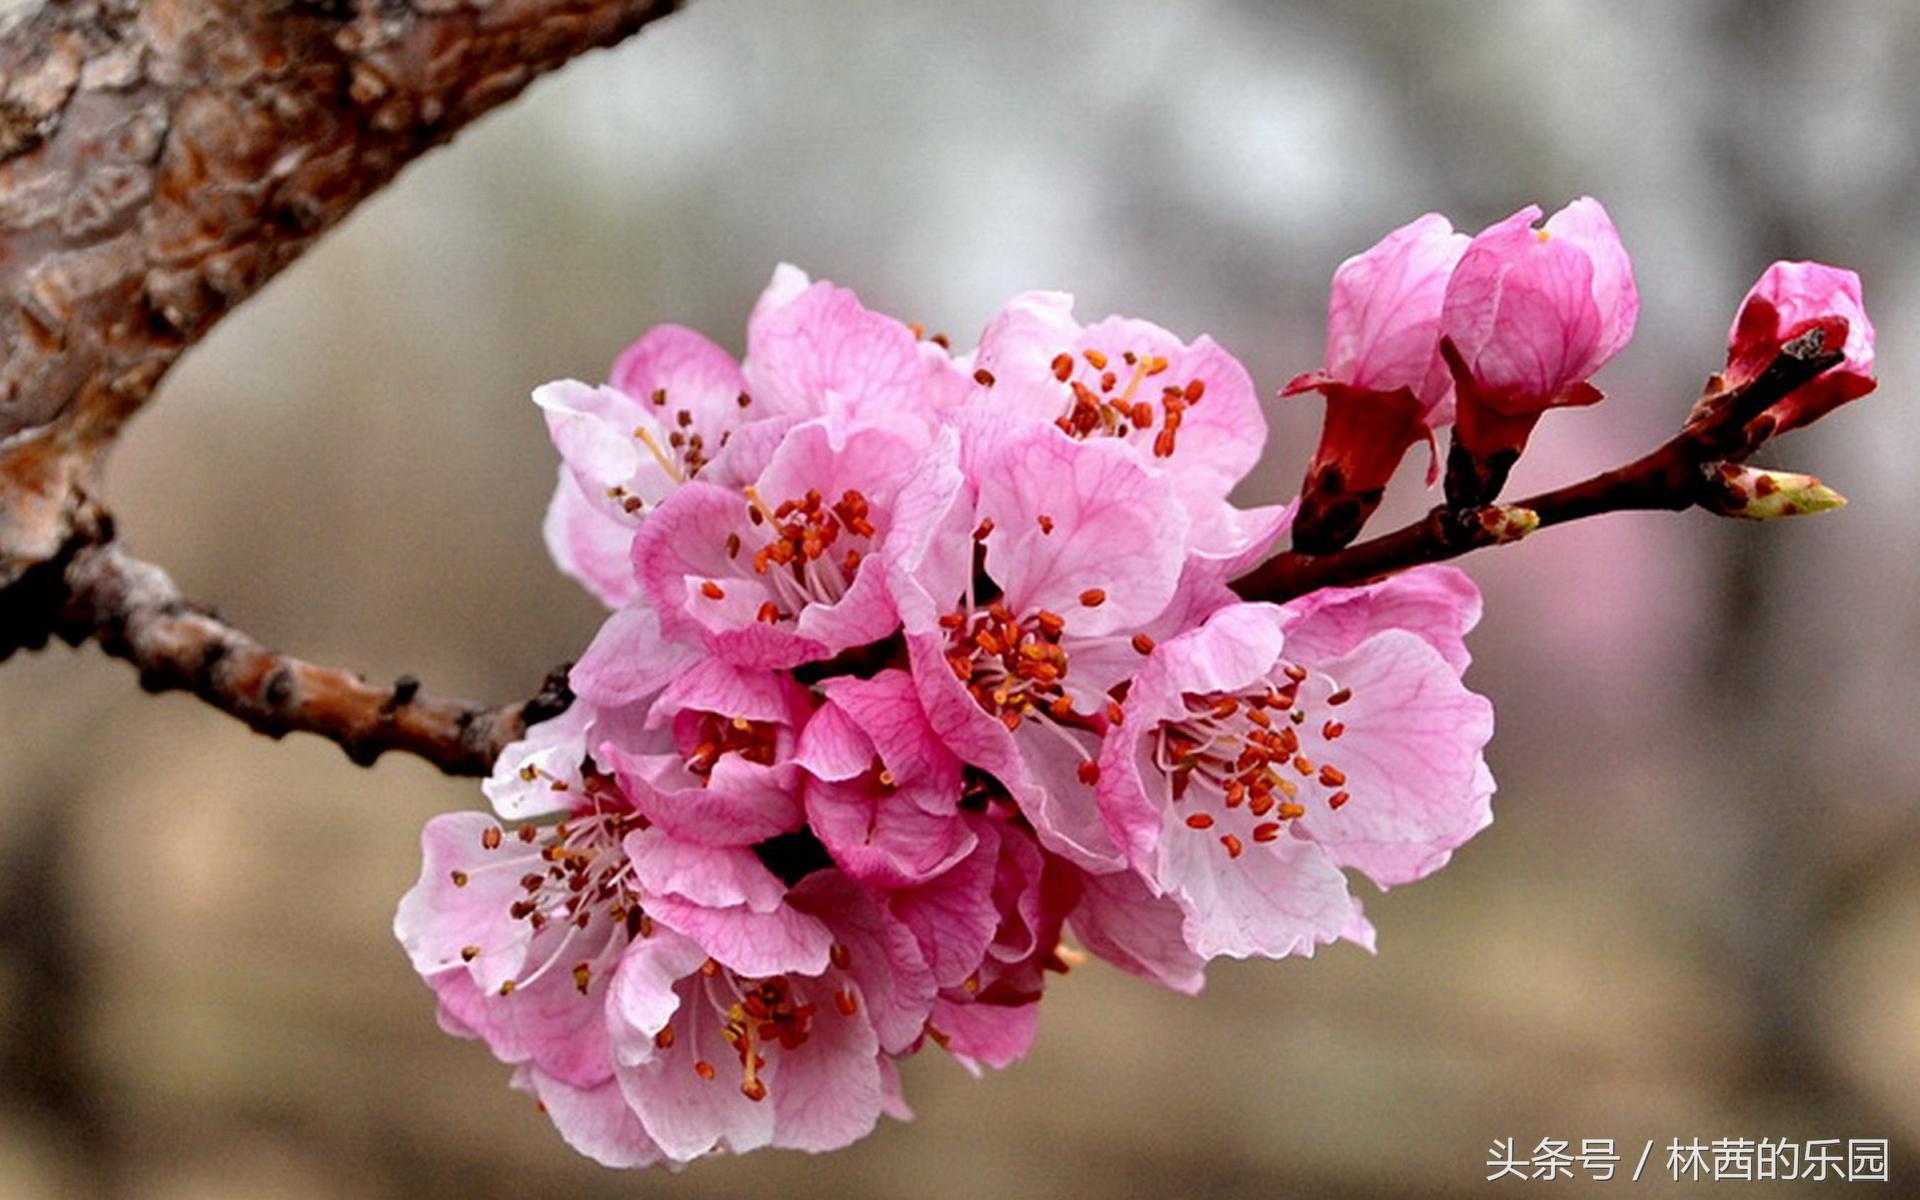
column 1503, row 523
column 1789, row 300
column 1385, row 385
column 1733, row 490
column 1529, row 315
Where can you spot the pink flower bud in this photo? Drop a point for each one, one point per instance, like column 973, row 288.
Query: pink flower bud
column 1790, row 300
column 1383, row 322
column 1385, row 384
column 1529, row 315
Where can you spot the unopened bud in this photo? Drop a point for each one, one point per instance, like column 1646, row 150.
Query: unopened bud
column 1503, row 523
column 1757, row 495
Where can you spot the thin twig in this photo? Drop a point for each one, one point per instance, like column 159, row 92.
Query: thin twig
column 1670, row 478
column 134, row 611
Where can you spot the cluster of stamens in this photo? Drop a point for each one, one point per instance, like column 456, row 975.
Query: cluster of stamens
column 1244, row 748
column 765, row 1013
column 684, row 454
column 1100, row 403
column 754, row 741
column 799, row 562
column 760, row 1014
column 574, row 872
column 1013, row 667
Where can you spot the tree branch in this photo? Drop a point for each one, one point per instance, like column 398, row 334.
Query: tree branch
column 160, row 161
column 134, row 611
column 1674, row 477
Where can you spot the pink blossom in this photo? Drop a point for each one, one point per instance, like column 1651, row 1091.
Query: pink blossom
column 713, row 764
column 665, row 999
column 918, row 660
column 1085, row 545
column 1384, row 381
column 711, row 1058
column 787, row 569
column 626, row 446
column 1186, row 408
column 1529, row 315
column 500, row 942
column 814, row 349
column 1271, row 747
column 1790, row 300
column 883, row 792
column 674, row 399
column 1532, row 312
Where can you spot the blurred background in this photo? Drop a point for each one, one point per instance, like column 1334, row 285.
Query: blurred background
column 1694, row 916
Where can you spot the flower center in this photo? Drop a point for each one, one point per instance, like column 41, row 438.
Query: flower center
column 685, row 451
column 1013, row 667
column 1239, row 757
column 812, row 555
column 719, row 736
column 1099, row 402
column 758, row 1017
column 576, row 887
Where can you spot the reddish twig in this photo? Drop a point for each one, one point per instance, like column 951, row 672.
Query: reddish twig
column 1674, row 477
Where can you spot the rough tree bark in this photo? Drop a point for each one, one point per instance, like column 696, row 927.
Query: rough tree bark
column 160, row 160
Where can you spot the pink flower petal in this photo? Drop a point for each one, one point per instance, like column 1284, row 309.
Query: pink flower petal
column 954, row 916
column 1122, row 921
column 1383, row 320
column 748, row 942
column 1115, row 530
column 673, row 370
column 1411, row 758
column 595, row 1121
column 590, row 545
column 462, row 899
column 715, row 876
column 642, row 997
column 629, row 660
column 824, row 343
column 987, row 1035
column 1440, row 604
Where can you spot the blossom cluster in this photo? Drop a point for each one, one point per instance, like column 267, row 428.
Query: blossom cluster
column 920, row 662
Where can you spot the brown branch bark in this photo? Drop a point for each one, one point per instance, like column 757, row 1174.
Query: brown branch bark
column 134, row 612
column 160, row 160
column 1674, row 477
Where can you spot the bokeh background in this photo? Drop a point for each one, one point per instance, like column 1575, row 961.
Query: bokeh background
column 1695, row 915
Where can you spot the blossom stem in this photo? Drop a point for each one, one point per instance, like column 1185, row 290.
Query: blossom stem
column 1673, row 477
